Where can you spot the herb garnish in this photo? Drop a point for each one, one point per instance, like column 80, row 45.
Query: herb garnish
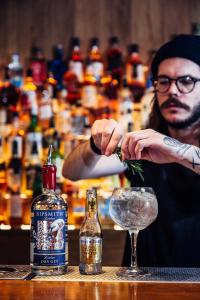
column 132, row 165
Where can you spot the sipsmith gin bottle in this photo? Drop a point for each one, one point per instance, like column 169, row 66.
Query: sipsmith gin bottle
column 90, row 238
column 49, row 217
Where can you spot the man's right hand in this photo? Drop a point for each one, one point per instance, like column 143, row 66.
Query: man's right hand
column 107, row 135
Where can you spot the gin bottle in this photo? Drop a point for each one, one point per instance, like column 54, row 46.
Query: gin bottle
column 49, row 248
column 91, row 237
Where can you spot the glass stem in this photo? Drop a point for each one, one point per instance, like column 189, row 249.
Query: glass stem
column 133, row 237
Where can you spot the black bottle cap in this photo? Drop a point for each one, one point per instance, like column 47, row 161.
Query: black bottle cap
column 29, row 72
column 94, row 41
column 113, row 40
column 195, row 28
column 124, row 82
column 2, row 166
column 15, row 147
column 133, row 48
column 36, row 52
column 58, row 51
column 75, row 41
column 34, row 149
column 15, row 114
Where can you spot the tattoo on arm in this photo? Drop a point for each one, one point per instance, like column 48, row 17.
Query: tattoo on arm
column 180, row 147
column 195, row 163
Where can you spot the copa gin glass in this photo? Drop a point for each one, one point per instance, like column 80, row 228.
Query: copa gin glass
column 133, row 208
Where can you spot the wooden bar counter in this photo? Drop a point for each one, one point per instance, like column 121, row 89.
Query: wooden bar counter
column 169, row 283
column 57, row 290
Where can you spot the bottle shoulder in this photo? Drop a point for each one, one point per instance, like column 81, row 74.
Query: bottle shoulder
column 49, row 201
column 91, row 227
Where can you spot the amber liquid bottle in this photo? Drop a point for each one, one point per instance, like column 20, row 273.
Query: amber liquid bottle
column 135, row 72
column 75, row 60
column 91, row 237
column 49, row 219
column 115, row 60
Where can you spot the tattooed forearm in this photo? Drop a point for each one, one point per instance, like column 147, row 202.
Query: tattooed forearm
column 189, row 154
column 180, row 147
column 197, row 152
column 196, row 159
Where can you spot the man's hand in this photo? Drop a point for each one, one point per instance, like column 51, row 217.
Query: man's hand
column 107, row 134
column 150, row 145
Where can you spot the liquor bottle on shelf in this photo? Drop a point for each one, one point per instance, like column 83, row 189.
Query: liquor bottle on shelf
column 28, row 99
column 110, row 92
column 3, row 181
column 33, row 135
column 89, row 95
column 57, row 66
column 14, row 182
column 75, row 63
column 115, row 59
column 58, row 158
column 72, row 87
column 9, row 98
column 126, row 106
column 38, row 66
column 135, row 72
column 50, row 85
column 32, row 166
column 45, row 109
column 94, row 61
column 15, row 71
column 49, row 219
column 78, row 119
column 91, row 237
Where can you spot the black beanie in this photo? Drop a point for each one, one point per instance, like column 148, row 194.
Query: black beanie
column 184, row 45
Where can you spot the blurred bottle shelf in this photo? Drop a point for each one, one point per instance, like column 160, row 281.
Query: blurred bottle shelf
column 56, row 102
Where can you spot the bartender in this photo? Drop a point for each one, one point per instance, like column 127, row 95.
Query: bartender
column 170, row 154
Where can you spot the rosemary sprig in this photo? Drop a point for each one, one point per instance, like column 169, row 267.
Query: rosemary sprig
column 132, row 165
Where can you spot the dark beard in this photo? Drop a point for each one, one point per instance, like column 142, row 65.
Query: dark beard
column 188, row 122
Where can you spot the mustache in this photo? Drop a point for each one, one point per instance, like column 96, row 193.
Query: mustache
column 175, row 102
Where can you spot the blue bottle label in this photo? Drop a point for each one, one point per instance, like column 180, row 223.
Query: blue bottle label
column 49, row 237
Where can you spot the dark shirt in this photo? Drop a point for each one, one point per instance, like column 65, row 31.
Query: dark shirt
column 173, row 240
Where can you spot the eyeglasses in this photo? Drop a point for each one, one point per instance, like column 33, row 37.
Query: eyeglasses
column 185, row 84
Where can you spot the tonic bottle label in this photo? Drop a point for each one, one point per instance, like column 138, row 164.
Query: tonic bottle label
column 90, row 250
column 49, row 237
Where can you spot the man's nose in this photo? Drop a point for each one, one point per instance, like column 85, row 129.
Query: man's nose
column 173, row 89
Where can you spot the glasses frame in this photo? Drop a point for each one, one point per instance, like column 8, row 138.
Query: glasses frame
column 155, row 80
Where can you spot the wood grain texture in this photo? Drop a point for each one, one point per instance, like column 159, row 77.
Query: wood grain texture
column 43, row 23
column 24, row 290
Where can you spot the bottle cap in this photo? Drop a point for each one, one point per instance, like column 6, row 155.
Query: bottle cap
column 49, row 172
column 133, row 48
column 75, row 41
column 94, row 41
column 58, row 51
column 49, row 177
column 113, row 40
column 34, row 149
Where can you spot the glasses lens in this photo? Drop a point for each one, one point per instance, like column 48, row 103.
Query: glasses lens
column 162, row 84
column 185, row 84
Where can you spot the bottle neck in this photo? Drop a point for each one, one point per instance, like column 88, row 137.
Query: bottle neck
column 91, row 206
column 49, row 178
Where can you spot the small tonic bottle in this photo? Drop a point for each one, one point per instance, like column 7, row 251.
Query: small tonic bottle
column 49, row 216
column 91, row 237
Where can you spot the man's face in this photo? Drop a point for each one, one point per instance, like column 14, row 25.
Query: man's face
column 178, row 109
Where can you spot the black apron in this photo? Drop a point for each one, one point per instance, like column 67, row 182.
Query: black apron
column 173, row 240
